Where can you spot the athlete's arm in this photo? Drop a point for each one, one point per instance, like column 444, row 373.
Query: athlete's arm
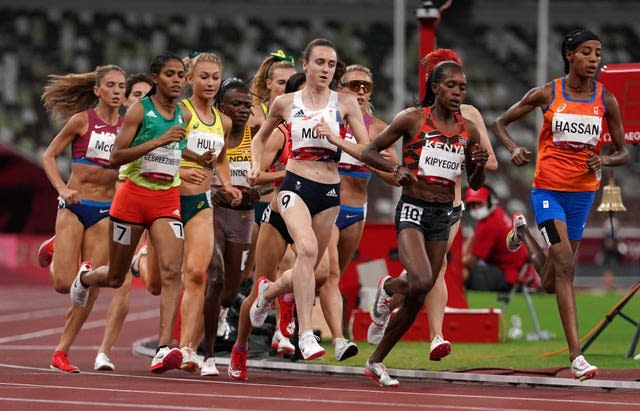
column 472, row 113
column 620, row 156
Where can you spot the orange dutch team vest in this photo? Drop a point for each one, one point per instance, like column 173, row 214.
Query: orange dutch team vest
column 570, row 131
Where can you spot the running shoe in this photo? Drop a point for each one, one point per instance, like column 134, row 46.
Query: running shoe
column 282, row 344
column 135, row 261
column 238, row 365
column 309, row 346
column 513, row 242
column 209, row 368
column 380, row 309
column 190, row 361
column 79, row 293
column 166, row 359
column 375, row 332
column 260, row 307
column 345, row 349
column 60, row 361
column 582, row 370
column 103, row 363
column 223, row 325
column 287, row 323
column 379, row 373
column 45, row 252
column 439, row 349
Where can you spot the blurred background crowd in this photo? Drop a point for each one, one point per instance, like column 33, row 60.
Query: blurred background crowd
column 496, row 38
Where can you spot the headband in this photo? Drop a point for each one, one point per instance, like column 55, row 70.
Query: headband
column 580, row 38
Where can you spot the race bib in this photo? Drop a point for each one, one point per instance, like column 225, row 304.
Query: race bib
column 575, row 131
column 348, row 160
column 410, row 213
column 200, row 141
column 162, row 163
column 441, row 160
column 100, row 146
column 306, row 139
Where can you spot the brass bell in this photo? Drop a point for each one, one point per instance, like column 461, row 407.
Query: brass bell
column 611, row 198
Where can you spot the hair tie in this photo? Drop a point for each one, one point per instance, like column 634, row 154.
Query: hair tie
column 280, row 56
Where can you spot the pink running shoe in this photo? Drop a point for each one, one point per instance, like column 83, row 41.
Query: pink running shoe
column 287, row 315
column 60, row 361
column 45, row 252
column 238, row 365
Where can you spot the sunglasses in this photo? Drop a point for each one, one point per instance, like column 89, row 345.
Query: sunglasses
column 357, row 85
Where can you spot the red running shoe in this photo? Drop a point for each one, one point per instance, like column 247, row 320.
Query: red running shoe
column 45, row 252
column 287, row 315
column 238, row 365
column 60, row 361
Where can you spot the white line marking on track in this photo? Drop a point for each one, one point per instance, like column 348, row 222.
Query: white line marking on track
column 356, row 390
column 144, row 315
column 278, row 398
column 118, row 404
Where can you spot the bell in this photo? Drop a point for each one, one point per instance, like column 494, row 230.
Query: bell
column 611, row 198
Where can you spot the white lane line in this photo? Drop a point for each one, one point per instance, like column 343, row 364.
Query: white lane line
column 145, row 406
column 48, row 347
column 285, row 388
column 144, row 315
column 278, row 398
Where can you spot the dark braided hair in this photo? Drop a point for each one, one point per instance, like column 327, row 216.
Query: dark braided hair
column 435, row 78
column 231, row 83
column 572, row 40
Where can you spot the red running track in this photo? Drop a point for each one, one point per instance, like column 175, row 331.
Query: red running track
column 30, row 321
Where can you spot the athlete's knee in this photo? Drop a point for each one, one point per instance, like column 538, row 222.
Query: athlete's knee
column 420, row 285
column 61, row 286
column 307, row 251
column 564, row 268
column 413, row 303
column 193, row 278
column 115, row 282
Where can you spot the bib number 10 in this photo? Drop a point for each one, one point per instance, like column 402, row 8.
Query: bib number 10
column 411, row 213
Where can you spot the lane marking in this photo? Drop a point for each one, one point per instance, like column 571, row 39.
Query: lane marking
column 144, row 315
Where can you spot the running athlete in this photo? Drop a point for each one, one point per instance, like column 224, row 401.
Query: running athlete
column 357, row 80
column 437, row 144
column 150, row 143
column 232, row 217
column 436, row 300
column 206, row 147
column 309, row 195
column 568, row 172
column 89, row 104
column 137, row 86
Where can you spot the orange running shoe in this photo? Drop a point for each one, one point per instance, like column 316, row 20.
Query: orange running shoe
column 45, row 252
column 60, row 361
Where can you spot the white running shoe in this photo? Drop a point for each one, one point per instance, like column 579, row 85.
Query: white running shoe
column 166, row 359
column 135, row 261
column 223, row 325
column 380, row 309
column 375, row 332
column 103, row 363
column 261, row 307
column 79, row 293
column 209, row 367
column 582, row 370
column 309, row 347
column 439, row 349
column 513, row 242
column 379, row 373
column 282, row 344
column 190, row 361
column 344, row 349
